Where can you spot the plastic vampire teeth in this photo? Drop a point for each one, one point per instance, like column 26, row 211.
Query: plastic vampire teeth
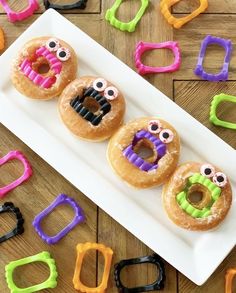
column 152, row 259
column 26, row 175
column 125, row 26
column 2, row 40
column 179, row 22
column 18, row 16
column 214, row 104
column 8, row 207
column 61, row 199
column 229, row 277
column 142, row 47
column 81, row 251
column 81, row 4
column 78, row 105
column 223, row 74
column 45, row 257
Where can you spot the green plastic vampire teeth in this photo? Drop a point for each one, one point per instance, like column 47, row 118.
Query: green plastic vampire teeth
column 214, row 104
column 125, row 26
column 45, row 257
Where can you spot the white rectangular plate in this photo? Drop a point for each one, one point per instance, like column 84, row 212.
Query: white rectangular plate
column 196, row 255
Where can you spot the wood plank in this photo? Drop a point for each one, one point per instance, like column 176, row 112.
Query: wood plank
column 216, row 6
column 93, row 6
column 190, row 38
column 195, row 97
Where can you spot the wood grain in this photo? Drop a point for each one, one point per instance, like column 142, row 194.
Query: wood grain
column 183, row 86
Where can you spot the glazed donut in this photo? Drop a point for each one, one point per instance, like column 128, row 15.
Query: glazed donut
column 92, row 108
column 43, row 68
column 197, row 196
column 154, row 136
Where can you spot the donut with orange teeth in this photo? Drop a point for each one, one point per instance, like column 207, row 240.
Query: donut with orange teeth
column 43, row 68
column 144, row 152
column 197, row 196
column 92, row 108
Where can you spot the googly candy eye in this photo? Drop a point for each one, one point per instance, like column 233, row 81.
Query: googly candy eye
column 100, row 84
column 220, row 179
column 166, row 136
column 63, row 54
column 154, row 126
column 111, row 93
column 207, row 170
column 52, row 45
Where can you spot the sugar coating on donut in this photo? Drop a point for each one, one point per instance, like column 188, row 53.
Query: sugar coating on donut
column 92, row 108
column 197, row 196
column 144, row 152
column 43, row 67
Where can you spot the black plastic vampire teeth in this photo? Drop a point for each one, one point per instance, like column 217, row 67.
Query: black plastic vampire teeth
column 95, row 119
column 81, row 4
column 153, row 259
column 8, row 207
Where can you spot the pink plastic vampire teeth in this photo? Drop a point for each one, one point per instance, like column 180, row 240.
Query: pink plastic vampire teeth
column 142, row 47
column 17, row 155
column 55, row 55
column 18, row 16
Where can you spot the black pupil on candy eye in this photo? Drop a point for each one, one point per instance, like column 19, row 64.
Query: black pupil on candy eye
column 207, row 171
column 154, row 127
column 62, row 54
column 52, row 44
column 220, row 178
column 99, row 84
column 165, row 135
column 110, row 93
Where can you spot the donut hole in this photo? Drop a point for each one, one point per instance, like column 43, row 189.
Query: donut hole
column 195, row 197
column 199, row 196
column 41, row 66
column 91, row 104
column 145, row 150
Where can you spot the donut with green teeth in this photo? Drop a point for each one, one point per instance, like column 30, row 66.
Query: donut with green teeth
column 197, row 197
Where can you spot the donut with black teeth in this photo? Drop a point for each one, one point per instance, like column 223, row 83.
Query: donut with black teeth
column 197, row 196
column 92, row 108
column 43, row 68
column 144, row 152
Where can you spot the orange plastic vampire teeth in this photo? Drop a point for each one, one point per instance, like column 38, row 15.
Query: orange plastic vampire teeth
column 81, row 251
column 179, row 22
column 2, row 42
column 229, row 276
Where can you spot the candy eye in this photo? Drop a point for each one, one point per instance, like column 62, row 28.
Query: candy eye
column 111, row 93
column 220, row 179
column 63, row 54
column 53, row 45
column 166, row 136
column 154, row 126
column 100, row 84
column 207, row 170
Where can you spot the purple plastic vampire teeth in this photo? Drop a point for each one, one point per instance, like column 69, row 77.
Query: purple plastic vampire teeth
column 223, row 74
column 60, row 199
column 136, row 160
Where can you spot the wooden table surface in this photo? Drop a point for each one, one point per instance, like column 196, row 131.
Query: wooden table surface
column 183, row 87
